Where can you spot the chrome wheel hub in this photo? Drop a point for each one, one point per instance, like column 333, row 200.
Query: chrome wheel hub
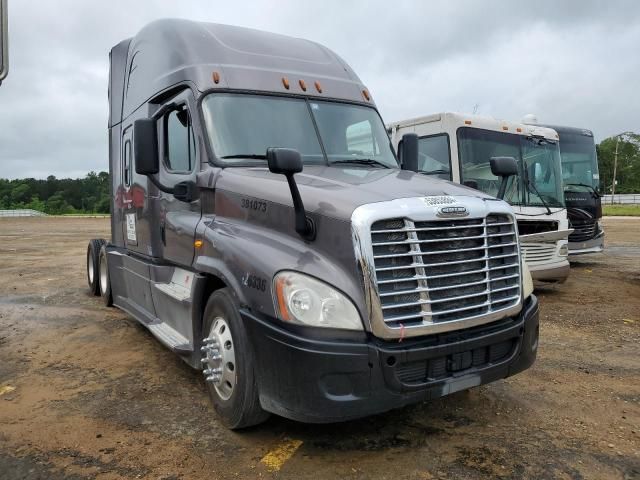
column 219, row 359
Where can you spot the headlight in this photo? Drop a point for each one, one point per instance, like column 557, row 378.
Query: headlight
column 564, row 250
column 527, row 281
column 305, row 300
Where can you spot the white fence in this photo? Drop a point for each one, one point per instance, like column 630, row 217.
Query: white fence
column 25, row 212
column 627, row 198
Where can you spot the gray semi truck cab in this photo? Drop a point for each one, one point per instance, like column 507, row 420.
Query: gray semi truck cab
column 262, row 230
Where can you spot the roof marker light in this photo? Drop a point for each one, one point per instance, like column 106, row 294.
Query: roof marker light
column 318, row 87
column 519, row 130
column 467, row 122
column 285, row 82
column 365, row 94
column 303, row 85
column 216, row 77
column 504, row 127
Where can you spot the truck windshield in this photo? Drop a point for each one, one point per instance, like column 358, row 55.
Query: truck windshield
column 242, row 127
column 539, row 180
column 579, row 161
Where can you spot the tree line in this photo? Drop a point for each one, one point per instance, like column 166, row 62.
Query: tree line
column 90, row 194
column 57, row 196
column 628, row 170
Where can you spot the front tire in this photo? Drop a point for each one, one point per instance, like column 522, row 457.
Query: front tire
column 228, row 361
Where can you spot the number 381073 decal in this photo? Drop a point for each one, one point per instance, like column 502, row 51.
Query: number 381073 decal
column 256, row 205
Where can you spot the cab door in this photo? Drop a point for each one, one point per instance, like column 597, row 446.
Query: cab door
column 179, row 162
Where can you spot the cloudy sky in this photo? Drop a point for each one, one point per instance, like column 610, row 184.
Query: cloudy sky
column 571, row 62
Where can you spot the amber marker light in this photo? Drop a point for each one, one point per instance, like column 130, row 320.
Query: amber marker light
column 318, row 87
column 197, row 243
column 519, row 130
column 467, row 122
column 505, row 128
column 282, row 305
column 285, row 82
column 216, row 77
column 365, row 94
column 303, row 85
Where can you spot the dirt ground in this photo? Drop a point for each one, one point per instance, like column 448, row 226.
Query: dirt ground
column 85, row 392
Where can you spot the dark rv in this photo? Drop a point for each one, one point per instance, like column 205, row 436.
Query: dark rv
column 581, row 189
column 262, row 230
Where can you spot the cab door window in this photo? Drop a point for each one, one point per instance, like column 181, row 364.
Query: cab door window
column 180, row 146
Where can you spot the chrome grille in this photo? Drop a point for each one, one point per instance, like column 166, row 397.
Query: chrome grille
column 445, row 270
column 538, row 253
column 583, row 230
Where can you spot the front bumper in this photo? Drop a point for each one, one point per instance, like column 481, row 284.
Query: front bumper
column 555, row 272
column 322, row 381
column 595, row 245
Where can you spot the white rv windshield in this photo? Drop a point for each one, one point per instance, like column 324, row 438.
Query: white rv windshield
column 241, row 127
column 539, row 181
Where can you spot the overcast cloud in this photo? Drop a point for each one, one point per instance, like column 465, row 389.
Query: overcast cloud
column 574, row 63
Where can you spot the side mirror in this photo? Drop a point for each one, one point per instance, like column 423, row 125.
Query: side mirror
column 286, row 161
column 145, row 146
column 409, row 152
column 504, row 167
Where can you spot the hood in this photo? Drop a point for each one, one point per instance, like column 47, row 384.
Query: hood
column 337, row 191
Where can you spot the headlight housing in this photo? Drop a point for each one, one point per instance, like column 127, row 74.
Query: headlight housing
column 304, row 300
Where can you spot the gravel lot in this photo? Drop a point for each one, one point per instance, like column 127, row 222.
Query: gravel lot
column 87, row 393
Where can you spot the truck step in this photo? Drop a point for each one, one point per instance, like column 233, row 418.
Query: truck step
column 179, row 288
column 170, row 337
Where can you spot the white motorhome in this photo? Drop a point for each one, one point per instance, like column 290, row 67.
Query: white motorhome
column 458, row 147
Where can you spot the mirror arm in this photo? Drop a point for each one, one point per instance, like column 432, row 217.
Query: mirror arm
column 503, row 188
column 162, row 188
column 305, row 227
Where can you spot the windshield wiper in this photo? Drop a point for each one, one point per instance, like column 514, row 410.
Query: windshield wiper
column 535, row 190
column 595, row 192
column 361, row 161
column 246, row 155
column 439, row 171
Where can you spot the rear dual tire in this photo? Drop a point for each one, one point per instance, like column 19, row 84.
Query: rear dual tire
column 104, row 277
column 93, row 265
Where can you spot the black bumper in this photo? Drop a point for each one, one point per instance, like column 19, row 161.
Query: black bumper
column 322, row 381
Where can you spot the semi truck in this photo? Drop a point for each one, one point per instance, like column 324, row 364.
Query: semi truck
column 458, row 147
column 581, row 180
column 262, row 230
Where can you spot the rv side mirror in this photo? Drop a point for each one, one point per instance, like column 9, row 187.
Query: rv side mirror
column 287, row 161
column 504, row 167
column 145, row 146
column 409, row 152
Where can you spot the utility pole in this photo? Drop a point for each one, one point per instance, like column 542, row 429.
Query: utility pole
column 615, row 169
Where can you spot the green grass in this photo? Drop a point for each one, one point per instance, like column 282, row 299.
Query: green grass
column 618, row 210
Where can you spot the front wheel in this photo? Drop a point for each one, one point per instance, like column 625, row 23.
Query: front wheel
column 228, row 363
